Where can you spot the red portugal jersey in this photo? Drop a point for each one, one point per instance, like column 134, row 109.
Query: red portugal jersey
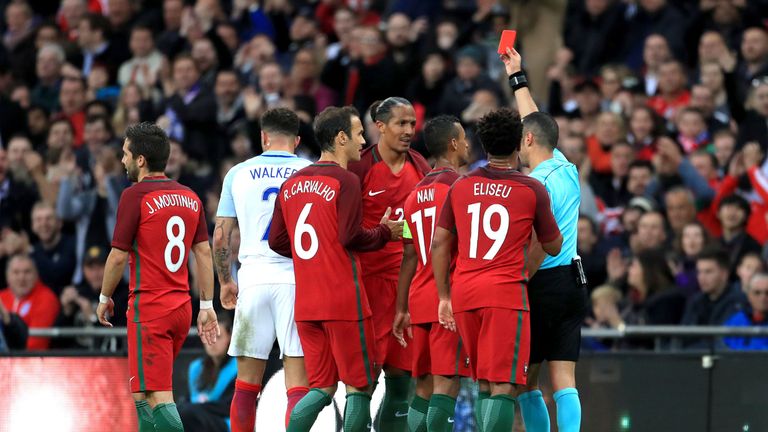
column 158, row 221
column 493, row 213
column 422, row 208
column 318, row 220
column 381, row 189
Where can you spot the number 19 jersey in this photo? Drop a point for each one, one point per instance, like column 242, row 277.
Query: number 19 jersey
column 158, row 221
column 493, row 212
column 248, row 194
column 422, row 208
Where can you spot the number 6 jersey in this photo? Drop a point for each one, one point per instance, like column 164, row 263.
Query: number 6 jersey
column 158, row 221
column 492, row 212
column 317, row 220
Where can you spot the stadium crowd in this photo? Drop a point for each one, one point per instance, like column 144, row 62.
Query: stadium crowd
column 662, row 105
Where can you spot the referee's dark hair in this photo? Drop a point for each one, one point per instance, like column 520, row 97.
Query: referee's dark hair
column 281, row 121
column 500, row 132
column 543, row 127
column 716, row 254
column 438, row 132
column 149, row 140
column 330, row 122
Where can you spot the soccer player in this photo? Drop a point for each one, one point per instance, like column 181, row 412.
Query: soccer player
column 491, row 213
column 388, row 172
column 558, row 303
column 265, row 288
column 438, row 356
column 318, row 221
column 159, row 222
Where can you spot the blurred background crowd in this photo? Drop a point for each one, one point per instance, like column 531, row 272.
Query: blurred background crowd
column 662, row 105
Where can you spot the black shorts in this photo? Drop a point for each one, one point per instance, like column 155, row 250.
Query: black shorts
column 558, row 307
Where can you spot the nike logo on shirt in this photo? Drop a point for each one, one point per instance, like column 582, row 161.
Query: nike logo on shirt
column 372, row 193
column 399, row 414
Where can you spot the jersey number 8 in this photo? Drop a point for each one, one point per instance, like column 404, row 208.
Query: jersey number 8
column 174, row 241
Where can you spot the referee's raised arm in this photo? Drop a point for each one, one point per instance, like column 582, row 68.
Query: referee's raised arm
column 518, row 82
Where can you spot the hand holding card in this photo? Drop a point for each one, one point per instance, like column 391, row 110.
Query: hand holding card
column 507, row 41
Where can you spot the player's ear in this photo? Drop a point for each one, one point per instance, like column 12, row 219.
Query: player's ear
column 454, row 145
column 381, row 125
column 264, row 139
column 341, row 138
column 296, row 142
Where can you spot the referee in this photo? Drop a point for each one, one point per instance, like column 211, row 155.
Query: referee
column 557, row 291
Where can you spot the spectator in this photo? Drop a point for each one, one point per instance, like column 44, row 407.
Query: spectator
column 230, row 112
column 754, row 314
column 144, row 67
column 724, row 143
column 681, row 208
column 305, row 79
column 132, row 108
column 28, row 298
column 207, row 61
column 608, row 131
column 692, row 239
column 672, row 94
column 593, row 34
column 587, row 96
column 644, row 129
column 639, row 176
column 72, row 102
column 211, row 381
column 469, row 78
column 692, row 129
column 733, row 214
column 655, row 52
column 718, row 299
column 402, row 36
column 98, row 134
column 19, row 39
column 16, row 198
column 96, row 46
column 54, row 252
column 169, row 41
column 13, row 331
column 575, row 150
column 754, row 122
column 606, row 303
column 79, row 302
column 703, row 100
column 750, row 264
column 651, row 232
column 592, row 255
column 655, row 17
column 711, row 76
column 191, row 112
column 652, row 298
column 754, row 56
column 428, row 87
column 343, row 23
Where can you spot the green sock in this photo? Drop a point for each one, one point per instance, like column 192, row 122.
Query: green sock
column 440, row 414
column 417, row 414
column 482, row 396
column 144, row 412
column 305, row 412
column 167, row 418
column 499, row 413
column 393, row 411
column 357, row 412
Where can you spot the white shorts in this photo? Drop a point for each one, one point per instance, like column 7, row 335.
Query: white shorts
column 264, row 312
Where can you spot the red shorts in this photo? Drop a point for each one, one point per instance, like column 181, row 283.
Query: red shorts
column 438, row 351
column 498, row 342
column 382, row 294
column 338, row 351
column 152, row 348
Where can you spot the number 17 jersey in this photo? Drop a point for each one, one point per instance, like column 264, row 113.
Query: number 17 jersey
column 158, row 221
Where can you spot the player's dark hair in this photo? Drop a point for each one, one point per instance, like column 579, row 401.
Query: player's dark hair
column 500, row 132
column 716, row 254
column 330, row 122
column 149, row 140
column 280, row 121
column 543, row 127
column 382, row 110
column 438, row 132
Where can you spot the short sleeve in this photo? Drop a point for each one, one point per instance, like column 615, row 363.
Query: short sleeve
column 201, row 234
column 226, row 202
column 128, row 215
column 407, row 236
column 543, row 221
column 447, row 218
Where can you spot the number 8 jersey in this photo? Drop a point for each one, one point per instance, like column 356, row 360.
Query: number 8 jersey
column 158, row 221
column 492, row 212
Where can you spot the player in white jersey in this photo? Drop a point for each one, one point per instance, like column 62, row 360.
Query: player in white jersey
column 263, row 295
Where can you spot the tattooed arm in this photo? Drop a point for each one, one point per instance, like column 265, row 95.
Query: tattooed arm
column 222, row 249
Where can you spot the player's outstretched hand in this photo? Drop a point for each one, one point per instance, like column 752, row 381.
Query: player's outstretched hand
column 402, row 322
column 445, row 315
column 208, row 326
column 513, row 63
column 395, row 227
column 228, row 295
column 104, row 312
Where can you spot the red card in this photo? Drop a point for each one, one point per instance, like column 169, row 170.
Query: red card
column 507, row 41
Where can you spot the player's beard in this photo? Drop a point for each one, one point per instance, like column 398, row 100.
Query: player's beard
column 132, row 171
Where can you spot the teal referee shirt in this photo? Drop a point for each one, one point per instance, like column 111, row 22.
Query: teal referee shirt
column 561, row 178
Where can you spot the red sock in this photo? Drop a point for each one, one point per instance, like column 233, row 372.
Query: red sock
column 294, row 396
column 242, row 412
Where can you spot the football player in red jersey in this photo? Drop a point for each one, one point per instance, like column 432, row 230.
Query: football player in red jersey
column 159, row 222
column 491, row 214
column 438, row 355
column 388, row 172
column 318, row 221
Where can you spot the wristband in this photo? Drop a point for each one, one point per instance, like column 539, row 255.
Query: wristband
column 103, row 299
column 206, row 304
column 517, row 81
